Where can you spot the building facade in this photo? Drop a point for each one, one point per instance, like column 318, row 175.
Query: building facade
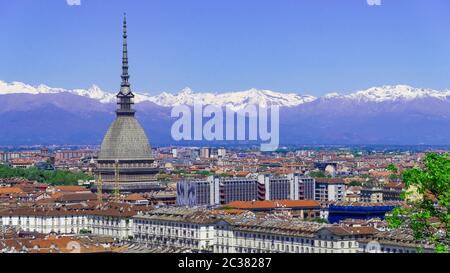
column 223, row 190
column 329, row 189
column 206, row 232
column 115, row 223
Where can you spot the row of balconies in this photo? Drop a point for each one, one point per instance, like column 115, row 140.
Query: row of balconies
column 164, row 241
column 167, row 233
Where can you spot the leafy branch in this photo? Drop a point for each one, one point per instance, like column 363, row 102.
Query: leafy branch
column 427, row 193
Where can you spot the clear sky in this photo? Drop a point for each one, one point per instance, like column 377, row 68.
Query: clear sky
column 302, row 46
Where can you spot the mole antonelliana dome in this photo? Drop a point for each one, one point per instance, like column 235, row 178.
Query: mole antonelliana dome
column 125, row 161
column 125, row 138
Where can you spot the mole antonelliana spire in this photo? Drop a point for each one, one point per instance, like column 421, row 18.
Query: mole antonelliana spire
column 125, row 96
column 125, row 76
column 125, row 156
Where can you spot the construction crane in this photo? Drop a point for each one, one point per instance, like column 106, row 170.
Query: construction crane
column 116, row 182
column 100, row 188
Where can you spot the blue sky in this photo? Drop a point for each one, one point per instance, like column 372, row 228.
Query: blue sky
column 302, row 46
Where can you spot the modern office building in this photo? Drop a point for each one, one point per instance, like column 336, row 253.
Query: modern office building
column 223, row 190
column 329, row 189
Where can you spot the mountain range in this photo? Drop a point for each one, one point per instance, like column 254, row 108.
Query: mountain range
column 390, row 115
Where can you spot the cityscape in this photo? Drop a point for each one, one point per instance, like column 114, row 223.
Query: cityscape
column 91, row 171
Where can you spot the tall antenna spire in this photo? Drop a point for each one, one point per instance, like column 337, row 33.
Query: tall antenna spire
column 125, row 76
column 125, row 96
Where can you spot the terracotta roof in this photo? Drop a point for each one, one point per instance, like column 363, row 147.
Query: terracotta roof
column 57, row 195
column 134, row 197
column 112, row 210
column 54, row 244
column 329, row 180
column 341, row 231
column 395, row 185
column 10, row 190
column 70, row 188
column 76, row 197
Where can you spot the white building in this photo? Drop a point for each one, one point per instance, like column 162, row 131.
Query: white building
column 330, row 189
column 176, row 227
column 113, row 222
column 204, row 231
column 221, row 152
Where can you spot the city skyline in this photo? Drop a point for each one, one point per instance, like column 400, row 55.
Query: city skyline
column 298, row 47
column 338, row 143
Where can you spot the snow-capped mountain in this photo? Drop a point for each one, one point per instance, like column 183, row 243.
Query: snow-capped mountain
column 395, row 115
column 392, row 93
column 236, row 100
column 19, row 87
column 233, row 100
column 94, row 92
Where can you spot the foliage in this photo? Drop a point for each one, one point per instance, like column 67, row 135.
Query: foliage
column 391, row 167
column 355, row 183
column 365, row 176
column 225, row 208
column 318, row 174
column 427, row 193
column 394, row 176
column 319, row 220
column 85, row 231
column 58, row 177
column 204, row 173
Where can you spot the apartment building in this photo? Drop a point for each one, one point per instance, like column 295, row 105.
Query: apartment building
column 223, row 190
column 192, row 229
column 329, row 189
column 73, row 154
column 393, row 241
column 382, row 193
column 113, row 221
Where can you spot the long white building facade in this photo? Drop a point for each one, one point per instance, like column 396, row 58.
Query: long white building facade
column 203, row 231
column 116, row 223
column 213, row 231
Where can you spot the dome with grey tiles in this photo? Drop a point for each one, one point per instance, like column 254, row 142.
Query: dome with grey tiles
column 125, row 139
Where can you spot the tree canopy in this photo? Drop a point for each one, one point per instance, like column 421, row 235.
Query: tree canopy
column 58, row 177
column 427, row 193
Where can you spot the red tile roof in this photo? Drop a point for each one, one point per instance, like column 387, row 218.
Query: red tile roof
column 71, row 188
column 10, row 190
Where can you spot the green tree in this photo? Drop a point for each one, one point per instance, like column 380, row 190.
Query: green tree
column 427, row 193
column 394, row 176
column 355, row 183
column 391, row 167
column 319, row 174
column 58, row 177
